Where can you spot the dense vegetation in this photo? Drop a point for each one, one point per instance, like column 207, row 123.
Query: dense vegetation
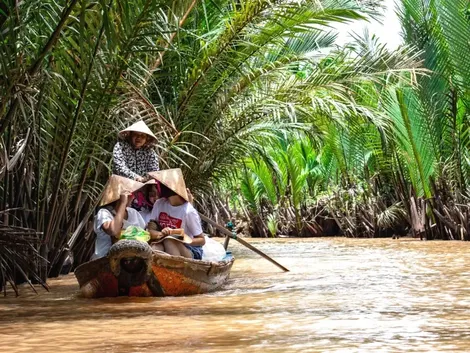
column 402, row 168
column 250, row 98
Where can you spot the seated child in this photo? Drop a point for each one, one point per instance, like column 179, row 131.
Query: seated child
column 114, row 214
column 173, row 211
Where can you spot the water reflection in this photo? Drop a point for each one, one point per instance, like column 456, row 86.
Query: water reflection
column 341, row 295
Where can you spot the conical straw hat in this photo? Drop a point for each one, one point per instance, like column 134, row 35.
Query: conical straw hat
column 139, row 126
column 173, row 179
column 117, row 186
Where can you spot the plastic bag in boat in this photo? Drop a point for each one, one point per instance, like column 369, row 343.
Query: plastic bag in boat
column 135, row 233
column 212, row 250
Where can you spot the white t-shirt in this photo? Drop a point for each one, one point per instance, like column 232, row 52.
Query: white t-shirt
column 145, row 213
column 103, row 240
column 184, row 216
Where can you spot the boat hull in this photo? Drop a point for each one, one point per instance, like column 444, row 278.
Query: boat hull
column 136, row 270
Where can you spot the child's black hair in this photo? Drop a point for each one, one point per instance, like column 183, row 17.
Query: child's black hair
column 109, row 206
column 166, row 192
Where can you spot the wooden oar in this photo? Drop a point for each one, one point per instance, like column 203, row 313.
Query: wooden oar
column 228, row 233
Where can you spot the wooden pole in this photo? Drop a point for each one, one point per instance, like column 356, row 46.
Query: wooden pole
column 227, row 238
column 241, row 241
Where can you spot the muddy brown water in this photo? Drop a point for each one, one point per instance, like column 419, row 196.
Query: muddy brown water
column 342, row 295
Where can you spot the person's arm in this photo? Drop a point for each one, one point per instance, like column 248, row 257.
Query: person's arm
column 152, row 225
column 155, row 234
column 152, row 162
column 113, row 228
column 193, row 227
column 120, row 166
column 198, row 240
column 152, row 228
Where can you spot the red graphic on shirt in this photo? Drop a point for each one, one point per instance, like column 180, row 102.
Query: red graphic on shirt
column 166, row 220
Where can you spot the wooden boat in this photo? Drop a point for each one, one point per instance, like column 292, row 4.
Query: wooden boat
column 132, row 268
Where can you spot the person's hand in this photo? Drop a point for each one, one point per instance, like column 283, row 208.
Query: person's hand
column 166, row 231
column 190, row 196
column 155, row 234
column 125, row 198
column 146, row 178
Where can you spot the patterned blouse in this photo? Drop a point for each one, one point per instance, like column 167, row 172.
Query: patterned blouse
column 131, row 163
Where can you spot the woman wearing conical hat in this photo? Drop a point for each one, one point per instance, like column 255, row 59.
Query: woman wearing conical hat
column 174, row 211
column 114, row 213
column 133, row 155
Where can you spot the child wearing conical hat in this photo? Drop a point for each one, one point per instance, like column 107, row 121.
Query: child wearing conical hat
column 114, row 213
column 133, row 155
column 174, row 211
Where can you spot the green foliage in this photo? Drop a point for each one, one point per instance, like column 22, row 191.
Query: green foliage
column 440, row 30
column 380, row 123
column 215, row 80
column 272, row 224
column 67, row 82
column 252, row 95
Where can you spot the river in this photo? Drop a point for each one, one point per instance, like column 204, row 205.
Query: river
column 342, row 295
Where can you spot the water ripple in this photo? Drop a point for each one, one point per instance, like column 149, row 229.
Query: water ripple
column 341, row 295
